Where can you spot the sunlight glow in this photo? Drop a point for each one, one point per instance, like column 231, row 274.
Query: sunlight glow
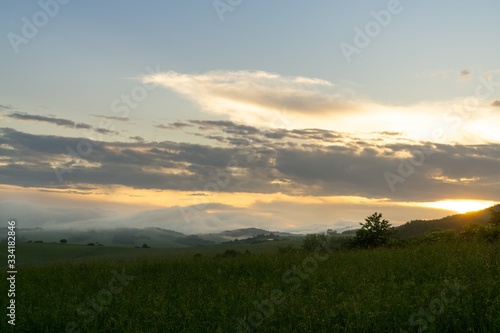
column 461, row 206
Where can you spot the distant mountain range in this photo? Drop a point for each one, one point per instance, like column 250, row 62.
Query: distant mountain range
column 238, row 234
column 155, row 237
column 158, row 237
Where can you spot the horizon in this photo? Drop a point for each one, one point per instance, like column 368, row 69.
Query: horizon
column 282, row 116
column 350, row 228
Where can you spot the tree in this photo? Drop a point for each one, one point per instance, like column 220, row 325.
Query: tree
column 63, row 241
column 494, row 219
column 374, row 232
column 313, row 241
column 471, row 231
column 492, row 231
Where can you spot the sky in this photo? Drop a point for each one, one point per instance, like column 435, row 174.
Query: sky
column 204, row 116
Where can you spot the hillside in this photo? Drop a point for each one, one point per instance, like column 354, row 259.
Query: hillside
column 120, row 236
column 158, row 237
column 454, row 222
column 132, row 237
column 241, row 234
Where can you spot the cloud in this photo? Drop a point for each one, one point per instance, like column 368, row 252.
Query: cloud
column 286, row 214
column 299, row 162
column 51, row 120
column 174, row 126
column 464, row 75
column 5, row 107
column 137, row 138
column 59, row 122
column 104, row 131
column 226, row 126
column 111, row 117
column 267, row 100
column 258, row 97
column 496, row 103
column 269, row 178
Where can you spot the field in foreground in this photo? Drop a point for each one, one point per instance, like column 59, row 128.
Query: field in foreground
column 439, row 288
column 40, row 254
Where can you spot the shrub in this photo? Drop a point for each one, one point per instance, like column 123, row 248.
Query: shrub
column 472, row 231
column 439, row 236
column 313, row 241
column 230, row 253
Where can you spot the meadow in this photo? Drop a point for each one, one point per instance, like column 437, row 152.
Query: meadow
column 443, row 287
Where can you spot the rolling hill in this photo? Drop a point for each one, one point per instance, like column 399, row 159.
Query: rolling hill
column 454, row 222
column 132, row 237
column 158, row 237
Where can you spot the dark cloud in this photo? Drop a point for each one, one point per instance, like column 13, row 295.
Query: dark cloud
column 59, row 122
column 464, row 74
column 496, row 103
column 275, row 134
column 240, row 134
column 215, row 137
column 226, row 126
column 388, row 133
column 174, row 126
column 111, row 117
column 83, row 126
column 315, row 162
column 105, row 131
column 52, row 120
column 137, row 138
column 56, row 121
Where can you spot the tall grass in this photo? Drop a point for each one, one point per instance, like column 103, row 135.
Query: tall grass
column 381, row 290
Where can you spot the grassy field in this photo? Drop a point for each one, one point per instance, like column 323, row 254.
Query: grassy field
column 435, row 288
column 41, row 253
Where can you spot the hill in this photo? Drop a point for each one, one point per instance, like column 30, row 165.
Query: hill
column 163, row 238
column 241, row 234
column 132, row 237
column 417, row 228
column 120, row 236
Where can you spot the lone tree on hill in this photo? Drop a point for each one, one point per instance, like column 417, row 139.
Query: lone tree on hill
column 374, row 232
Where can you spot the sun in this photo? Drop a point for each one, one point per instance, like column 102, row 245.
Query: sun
column 462, row 206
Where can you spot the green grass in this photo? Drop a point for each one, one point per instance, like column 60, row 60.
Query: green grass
column 41, row 253
column 381, row 290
